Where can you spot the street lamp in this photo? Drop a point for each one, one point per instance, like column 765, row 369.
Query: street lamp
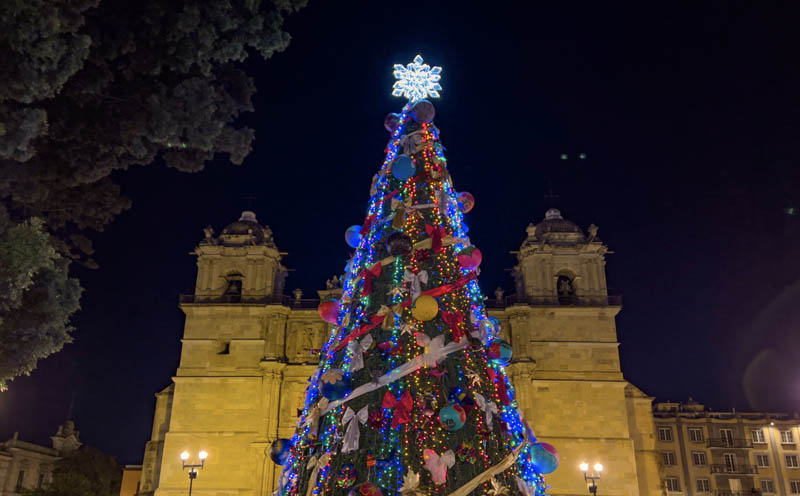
column 193, row 467
column 594, row 476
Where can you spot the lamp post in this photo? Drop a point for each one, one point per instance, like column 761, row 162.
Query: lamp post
column 593, row 476
column 193, row 467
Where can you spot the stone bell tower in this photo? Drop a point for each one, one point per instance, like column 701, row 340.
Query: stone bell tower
column 566, row 368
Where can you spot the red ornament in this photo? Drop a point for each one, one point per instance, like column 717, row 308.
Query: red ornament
column 465, row 201
column 329, row 311
column 365, row 489
column 471, row 261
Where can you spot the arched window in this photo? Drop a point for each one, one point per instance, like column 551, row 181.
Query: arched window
column 233, row 288
column 565, row 287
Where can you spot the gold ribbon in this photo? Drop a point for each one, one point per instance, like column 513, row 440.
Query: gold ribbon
column 317, row 464
column 489, row 472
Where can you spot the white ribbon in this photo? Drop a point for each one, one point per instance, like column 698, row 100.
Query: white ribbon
column 434, row 355
column 317, row 464
column 438, row 464
column 416, row 280
column 524, row 488
column 432, row 347
column 489, row 407
column 351, row 419
column 312, row 417
column 357, row 348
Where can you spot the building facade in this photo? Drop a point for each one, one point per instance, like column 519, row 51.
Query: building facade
column 727, row 453
column 25, row 465
column 248, row 351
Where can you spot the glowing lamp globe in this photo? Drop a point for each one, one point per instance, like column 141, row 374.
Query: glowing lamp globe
column 329, row 311
column 353, row 236
column 544, row 458
column 425, row 308
column 279, row 451
column 499, row 352
column 202, row 455
column 452, row 417
column 403, row 167
column 185, row 455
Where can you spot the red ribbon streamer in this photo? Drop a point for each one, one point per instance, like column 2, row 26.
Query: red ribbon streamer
column 374, row 322
column 436, row 234
column 368, row 275
column 402, row 407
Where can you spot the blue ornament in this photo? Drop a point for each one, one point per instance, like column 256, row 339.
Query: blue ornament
column 353, row 236
column 544, row 458
column 335, row 385
column 496, row 323
column 499, row 352
column 279, row 451
column 452, row 417
column 403, row 167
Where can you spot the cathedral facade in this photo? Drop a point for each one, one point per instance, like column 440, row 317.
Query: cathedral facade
column 248, row 351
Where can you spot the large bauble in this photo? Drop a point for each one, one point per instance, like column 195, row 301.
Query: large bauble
column 425, row 308
column 391, row 121
column 399, row 244
column 423, row 111
column 452, row 417
column 353, row 236
column 365, row 489
column 499, row 352
column 544, row 458
column 471, row 260
column 335, row 385
column 465, row 201
column 279, row 451
column 403, row 167
column 329, row 311
column 496, row 322
column 347, row 476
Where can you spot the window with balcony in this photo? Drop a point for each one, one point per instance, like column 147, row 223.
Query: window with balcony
column 762, row 460
column 730, row 462
column 699, row 459
column 758, row 436
column 726, row 436
column 767, row 486
column 703, row 486
column 674, row 484
column 669, row 458
column 665, row 434
column 695, row 435
column 787, row 437
column 791, row 461
column 794, row 487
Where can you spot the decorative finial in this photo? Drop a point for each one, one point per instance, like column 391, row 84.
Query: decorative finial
column 417, row 80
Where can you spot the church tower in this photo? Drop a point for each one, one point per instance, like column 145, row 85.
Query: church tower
column 566, row 368
column 247, row 353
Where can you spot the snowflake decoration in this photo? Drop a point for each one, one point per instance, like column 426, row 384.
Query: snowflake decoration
column 417, row 80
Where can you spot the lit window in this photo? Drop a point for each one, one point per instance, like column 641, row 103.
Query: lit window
column 703, row 486
column 665, row 434
column 695, row 435
column 787, row 437
column 758, row 436
column 767, row 486
column 699, row 458
column 669, row 457
column 674, row 484
column 762, row 460
column 791, row 461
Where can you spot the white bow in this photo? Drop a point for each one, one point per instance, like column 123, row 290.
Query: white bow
column 416, row 281
column 524, row 488
column 351, row 419
column 490, row 407
column 480, row 331
column 357, row 348
column 438, row 464
column 317, row 463
column 433, row 349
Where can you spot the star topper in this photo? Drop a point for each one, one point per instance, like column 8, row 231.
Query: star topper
column 417, row 80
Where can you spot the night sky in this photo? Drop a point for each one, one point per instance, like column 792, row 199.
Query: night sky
column 689, row 120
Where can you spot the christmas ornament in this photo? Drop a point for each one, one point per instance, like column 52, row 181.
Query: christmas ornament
column 498, row 489
column 423, row 111
column 465, row 201
column 335, row 385
column 425, row 308
column 403, row 167
column 411, row 485
column 470, row 260
column 347, row 476
column 499, row 352
column 391, row 121
column 417, row 80
column 279, row 451
column 402, row 407
column 365, row 489
column 438, row 464
column 452, row 417
column 353, row 236
column 544, row 458
column 496, row 323
column 377, row 419
column 329, row 311
column 466, row 453
column 399, row 244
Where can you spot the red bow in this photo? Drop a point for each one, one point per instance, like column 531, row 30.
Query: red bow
column 436, row 234
column 402, row 407
column 368, row 275
column 453, row 320
column 499, row 381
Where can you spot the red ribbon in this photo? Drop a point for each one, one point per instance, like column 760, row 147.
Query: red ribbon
column 374, row 322
column 368, row 275
column 436, row 234
column 402, row 407
column 453, row 320
column 445, row 288
column 367, row 224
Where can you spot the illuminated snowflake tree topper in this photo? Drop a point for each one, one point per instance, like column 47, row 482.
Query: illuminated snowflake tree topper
column 417, row 80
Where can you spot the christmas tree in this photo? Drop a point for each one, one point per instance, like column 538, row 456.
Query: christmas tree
column 411, row 396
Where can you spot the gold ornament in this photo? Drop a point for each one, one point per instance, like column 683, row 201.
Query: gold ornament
column 425, row 308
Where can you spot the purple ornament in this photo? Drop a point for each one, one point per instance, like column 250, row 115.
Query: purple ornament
column 391, row 121
column 423, row 111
